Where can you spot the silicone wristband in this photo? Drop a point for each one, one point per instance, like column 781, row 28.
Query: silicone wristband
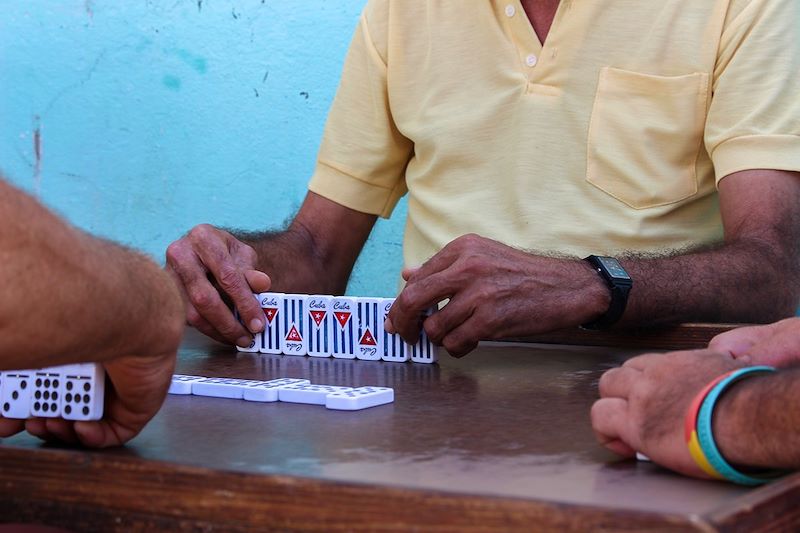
column 690, row 429
column 705, row 433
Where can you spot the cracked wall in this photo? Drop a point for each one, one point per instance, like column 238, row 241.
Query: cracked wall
column 138, row 120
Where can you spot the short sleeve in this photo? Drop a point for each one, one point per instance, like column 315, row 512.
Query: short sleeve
column 754, row 116
column 362, row 157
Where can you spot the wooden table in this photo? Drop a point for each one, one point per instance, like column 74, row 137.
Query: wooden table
column 497, row 441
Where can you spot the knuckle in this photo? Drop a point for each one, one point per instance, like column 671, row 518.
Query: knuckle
column 202, row 298
column 229, row 276
column 174, row 251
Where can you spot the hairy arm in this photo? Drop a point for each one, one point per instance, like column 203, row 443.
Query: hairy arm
column 315, row 254
column 70, row 297
column 757, row 422
column 751, row 277
column 496, row 291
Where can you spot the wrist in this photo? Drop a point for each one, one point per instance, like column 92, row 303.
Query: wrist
column 735, row 422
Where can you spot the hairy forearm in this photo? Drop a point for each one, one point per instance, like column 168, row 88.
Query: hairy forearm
column 749, row 280
column 295, row 263
column 757, row 422
column 70, row 297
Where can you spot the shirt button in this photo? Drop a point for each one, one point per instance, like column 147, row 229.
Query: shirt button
column 531, row 60
column 510, row 10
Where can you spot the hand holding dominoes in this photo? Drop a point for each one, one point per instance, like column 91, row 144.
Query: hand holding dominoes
column 70, row 403
column 495, row 292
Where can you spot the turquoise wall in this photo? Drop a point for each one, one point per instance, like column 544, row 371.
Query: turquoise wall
column 138, row 120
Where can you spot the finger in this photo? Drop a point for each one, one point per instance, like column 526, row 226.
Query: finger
column 440, row 323
column 258, row 281
column 641, row 362
column 203, row 326
column 610, row 424
column 463, row 339
column 38, row 428
column 231, row 279
column 439, row 262
column 203, row 297
column 61, row 430
column 618, row 382
column 415, row 298
column 10, row 426
column 738, row 341
column 407, row 272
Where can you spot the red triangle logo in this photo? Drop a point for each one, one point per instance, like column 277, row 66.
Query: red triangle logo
column 294, row 335
column 367, row 339
column 318, row 316
column 270, row 313
column 342, row 317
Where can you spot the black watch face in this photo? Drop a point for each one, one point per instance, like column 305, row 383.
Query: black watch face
column 613, row 267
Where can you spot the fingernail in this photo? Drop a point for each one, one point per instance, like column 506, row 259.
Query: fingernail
column 244, row 342
column 388, row 326
column 256, row 325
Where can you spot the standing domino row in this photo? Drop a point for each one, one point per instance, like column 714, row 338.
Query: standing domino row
column 342, row 327
column 71, row 392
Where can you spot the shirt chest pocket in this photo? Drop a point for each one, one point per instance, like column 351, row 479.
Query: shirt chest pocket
column 645, row 135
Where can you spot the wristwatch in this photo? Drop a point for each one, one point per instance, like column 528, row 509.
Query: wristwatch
column 618, row 282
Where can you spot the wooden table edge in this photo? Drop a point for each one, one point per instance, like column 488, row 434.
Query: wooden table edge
column 119, row 493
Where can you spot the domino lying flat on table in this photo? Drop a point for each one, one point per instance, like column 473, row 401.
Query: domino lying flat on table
column 72, row 392
column 285, row 390
column 342, row 327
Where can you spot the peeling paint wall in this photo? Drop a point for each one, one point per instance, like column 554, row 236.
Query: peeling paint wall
column 137, row 120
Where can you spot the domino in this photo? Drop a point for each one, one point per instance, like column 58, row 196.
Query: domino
column 182, row 384
column 16, row 394
column 360, row 398
column 267, row 391
column 82, row 391
column 395, row 349
column 424, row 351
column 293, row 331
column 308, row 393
column 271, row 303
column 368, row 346
column 642, row 457
column 343, row 327
column 45, row 398
column 223, row 387
column 318, row 325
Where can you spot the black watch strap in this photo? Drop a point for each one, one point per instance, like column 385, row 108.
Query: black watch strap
column 618, row 282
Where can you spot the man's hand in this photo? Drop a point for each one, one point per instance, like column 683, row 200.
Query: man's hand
column 135, row 389
column 776, row 344
column 208, row 255
column 643, row 404
column 494, row 292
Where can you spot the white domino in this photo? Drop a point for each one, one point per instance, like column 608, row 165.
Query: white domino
column 343, row 327
column 16, row 394
column 360, row 398
column 182, row 384
column 369, row 313
column 223, row 387
column 308, row 393
column 318, row 326
column 395, row 349
column 267, row 391
column 270, row 341
column 82, row 391
column 293, row 332
column 45, row 396
column 642, row 457
column 255, row 342
column 424, row 351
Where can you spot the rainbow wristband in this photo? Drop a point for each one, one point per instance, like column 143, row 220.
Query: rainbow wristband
column 705, row 436
column 690, row 429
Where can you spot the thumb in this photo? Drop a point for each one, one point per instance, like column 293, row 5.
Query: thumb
column 258, row 281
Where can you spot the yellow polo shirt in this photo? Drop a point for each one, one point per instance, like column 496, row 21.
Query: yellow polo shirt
column 609, row 137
